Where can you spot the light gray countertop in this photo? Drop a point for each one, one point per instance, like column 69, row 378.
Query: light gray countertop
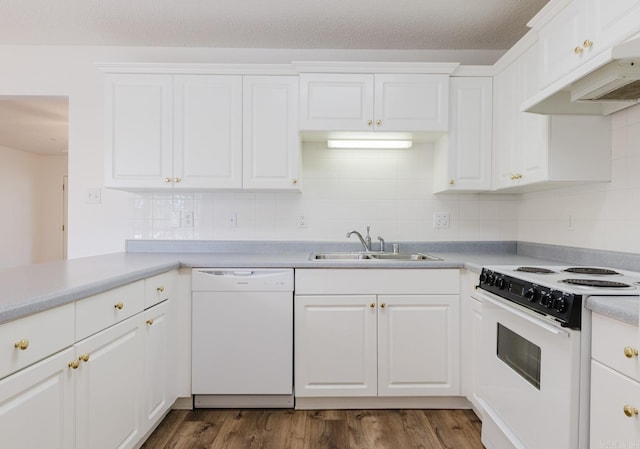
column 621, row 308
column 35, row 288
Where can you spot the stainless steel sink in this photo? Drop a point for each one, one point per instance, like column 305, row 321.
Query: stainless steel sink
column 401, row 257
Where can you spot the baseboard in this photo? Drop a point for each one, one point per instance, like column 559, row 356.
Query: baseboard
column 433, row 402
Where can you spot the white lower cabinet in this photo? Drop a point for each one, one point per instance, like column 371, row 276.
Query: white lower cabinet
column 156, row 400
column 615, row 384
column 109, row 386
column 37, row 405
column 376, row 344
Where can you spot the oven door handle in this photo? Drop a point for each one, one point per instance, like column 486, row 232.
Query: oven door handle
column 523, row 315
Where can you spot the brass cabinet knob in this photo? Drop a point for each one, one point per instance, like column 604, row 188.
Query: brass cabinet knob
column 378, row 122
column 160, row 289
column 578, row 50
column 294, row 181
column 84, row 358
column 630, row 352
column 383, row 305
column 452, row 181
column 587, row 43
column 150, row 322
column 372, row 305
column 630, row 411
column 167, row 179
column 177, row 179
column 119, row 305
column 22, row 344
column 370, row 122
column 74, row 365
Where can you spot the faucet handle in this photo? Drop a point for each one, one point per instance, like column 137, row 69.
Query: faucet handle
column 381, row 244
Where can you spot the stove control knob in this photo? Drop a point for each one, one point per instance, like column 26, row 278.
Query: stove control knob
column 501, row 283
column 560, row 305
column 547, row 300
column 532, row 294
column 490, row 279
column 483, row 277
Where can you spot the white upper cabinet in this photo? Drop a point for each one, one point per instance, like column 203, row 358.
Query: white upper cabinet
column 207, row 146
column 189, row 131
column 462, row 159
column 271, row 145
column 138, row 130
column 582, row 30
column 381, row 102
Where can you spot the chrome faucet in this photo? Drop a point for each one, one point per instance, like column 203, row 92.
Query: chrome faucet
column 381, row 244
column 366, row 241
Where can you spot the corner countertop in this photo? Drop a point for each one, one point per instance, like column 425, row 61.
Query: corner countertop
column 35, row 288
column 621, row 308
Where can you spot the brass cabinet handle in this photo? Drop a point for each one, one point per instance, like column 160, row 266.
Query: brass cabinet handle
column 630, row 352
column 370, row 122
column 378, row 122
column 578, row 50
column 372, row 305
column 294, row 181
column 383, row 305
column 74, row 365
column 177, row 179
column 452, row 181
column 150, row 322
column 167, row 180
column 630, row 411
column 160, row 289
column 119, row 305
column 587, row 43
column 22, row 344
column 84, row 358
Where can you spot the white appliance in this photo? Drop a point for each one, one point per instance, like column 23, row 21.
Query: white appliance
column 535, row 345
column 242, row 337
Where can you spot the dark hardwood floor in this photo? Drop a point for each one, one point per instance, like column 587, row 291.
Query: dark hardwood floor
column 317, row 429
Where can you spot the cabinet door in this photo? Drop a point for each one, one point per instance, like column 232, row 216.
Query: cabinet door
column 418, row 345
column 411, row 102
column 138, row 131
column 208, row 131
column 156, row 365
column 561, row 43
column 611, row 22
column 336, row 102
column 109, row 387
column 506, row 158
column 611, row 392
column 37, row 405
column 469, row 146
column 271, row 145
column 335, row 346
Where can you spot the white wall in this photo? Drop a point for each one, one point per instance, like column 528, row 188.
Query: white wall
column 342, row 190
column 605, row 216
column 31, row 201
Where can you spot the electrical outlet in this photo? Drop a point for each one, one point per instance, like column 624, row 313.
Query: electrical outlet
column 94, row 196
column 187, row 218
column 441, row 220
column 302, row 221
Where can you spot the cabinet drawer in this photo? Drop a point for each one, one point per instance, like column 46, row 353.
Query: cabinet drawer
column 40, row 335
column 159, row 288
column 105, row 309
column 377, row 281
column 616, row 344
column 612, row 397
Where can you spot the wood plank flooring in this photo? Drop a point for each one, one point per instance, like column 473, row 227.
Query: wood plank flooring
column 317, row 429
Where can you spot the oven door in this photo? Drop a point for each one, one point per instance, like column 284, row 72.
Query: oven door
column 529, row 377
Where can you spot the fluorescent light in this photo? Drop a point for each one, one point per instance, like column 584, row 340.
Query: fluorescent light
column 390, row 144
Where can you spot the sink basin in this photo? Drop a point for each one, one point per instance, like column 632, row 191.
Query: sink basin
column 401, row 257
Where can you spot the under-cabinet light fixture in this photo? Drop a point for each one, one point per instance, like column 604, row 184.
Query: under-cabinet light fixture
column 374, row 144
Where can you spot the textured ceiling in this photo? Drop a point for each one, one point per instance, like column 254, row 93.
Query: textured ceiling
column 329, row 24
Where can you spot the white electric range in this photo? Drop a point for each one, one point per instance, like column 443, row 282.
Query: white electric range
column 536, row 347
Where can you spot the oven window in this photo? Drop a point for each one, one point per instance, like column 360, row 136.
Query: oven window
column 520, row 354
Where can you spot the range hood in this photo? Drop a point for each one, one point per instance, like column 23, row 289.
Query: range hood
column 605, row 84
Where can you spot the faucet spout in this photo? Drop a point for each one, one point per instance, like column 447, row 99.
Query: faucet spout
column 364, row 244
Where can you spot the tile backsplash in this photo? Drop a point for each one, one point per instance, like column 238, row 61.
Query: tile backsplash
column 342, row 190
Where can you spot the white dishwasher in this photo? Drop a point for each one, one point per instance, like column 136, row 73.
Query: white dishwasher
column 242, row 337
